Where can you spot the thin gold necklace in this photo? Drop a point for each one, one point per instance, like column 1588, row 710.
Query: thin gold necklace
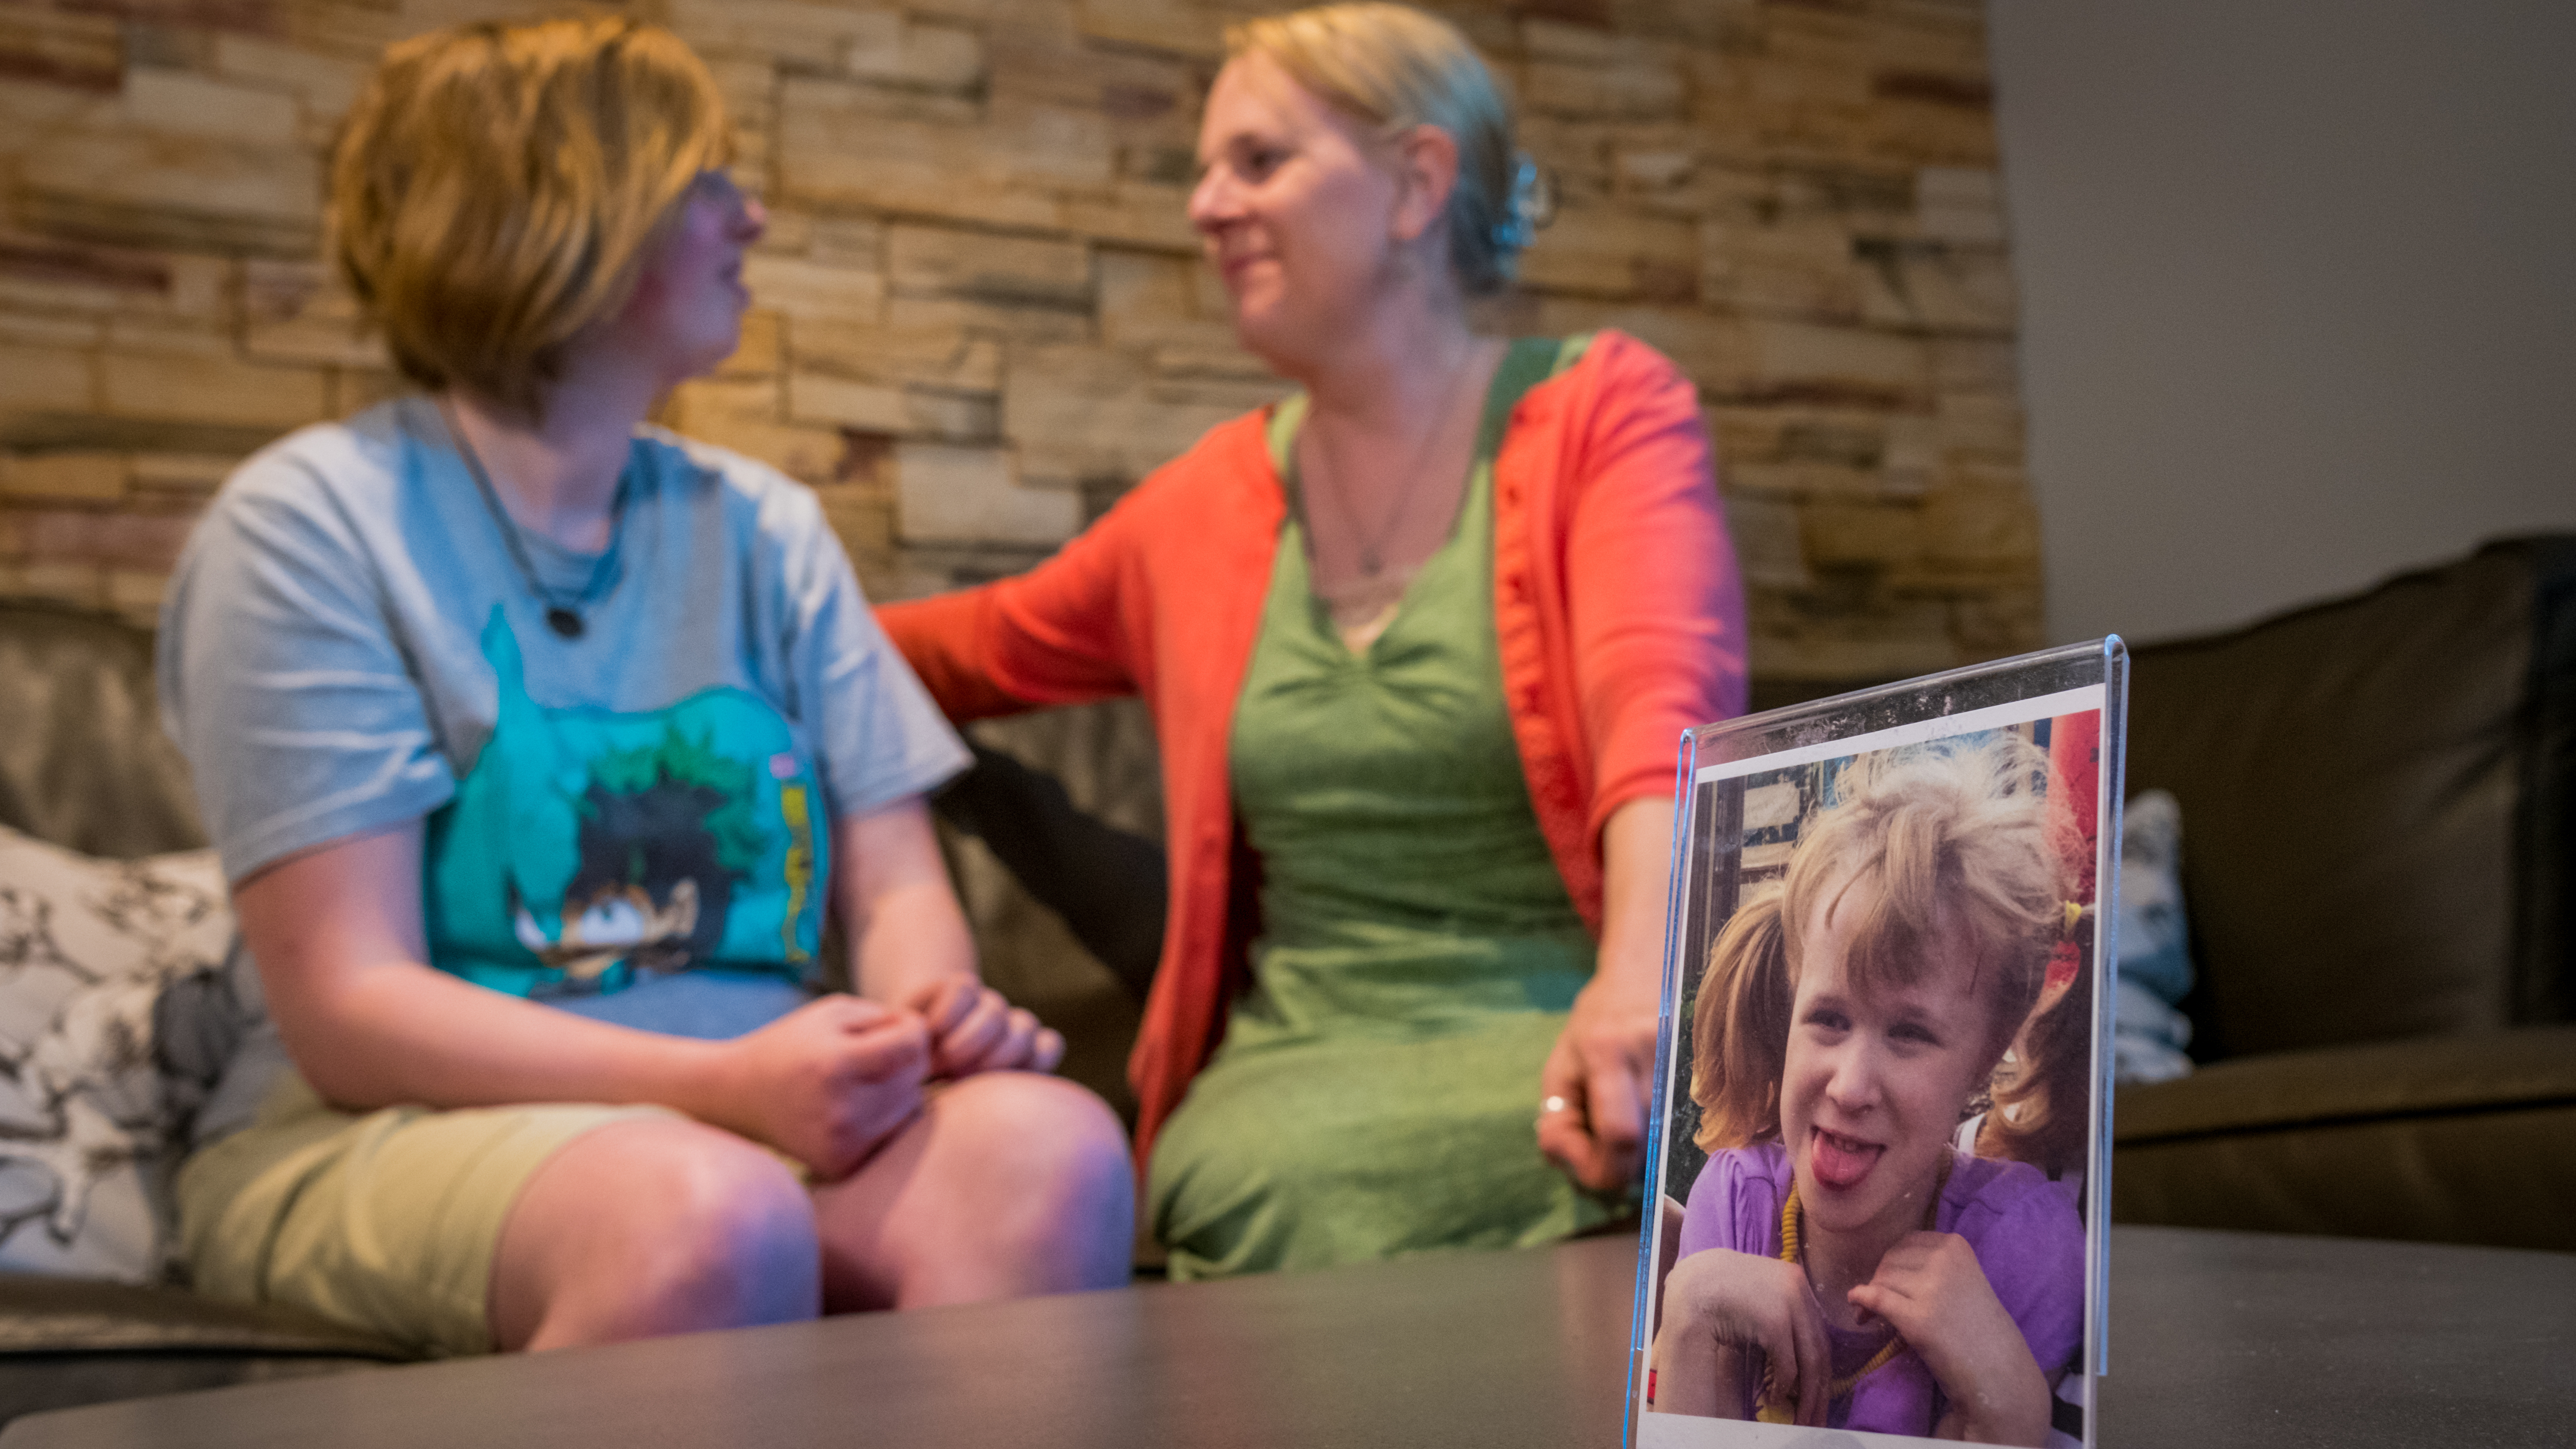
column 1373, row 549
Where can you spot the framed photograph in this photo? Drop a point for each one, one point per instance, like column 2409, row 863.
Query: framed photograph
column 1877, row 1172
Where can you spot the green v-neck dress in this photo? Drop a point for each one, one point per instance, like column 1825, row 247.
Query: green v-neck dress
column 1377, row 1087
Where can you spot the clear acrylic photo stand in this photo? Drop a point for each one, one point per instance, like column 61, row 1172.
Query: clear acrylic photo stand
column 1747, row 788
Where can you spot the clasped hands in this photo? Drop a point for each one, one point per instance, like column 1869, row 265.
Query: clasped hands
column 1721, row 1308
column 830, row 1081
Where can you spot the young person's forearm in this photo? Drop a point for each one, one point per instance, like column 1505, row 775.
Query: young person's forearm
column 403, row 1032
column 341, row 950
column 913, row 938
column 1684, row 1363
column 2010, row 1407
column 2017, row 1428
column 891, row 887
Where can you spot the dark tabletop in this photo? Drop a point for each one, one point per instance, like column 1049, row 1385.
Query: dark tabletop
column 2217, row 1338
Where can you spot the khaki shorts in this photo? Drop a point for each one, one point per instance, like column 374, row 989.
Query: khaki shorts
column 385, row 1221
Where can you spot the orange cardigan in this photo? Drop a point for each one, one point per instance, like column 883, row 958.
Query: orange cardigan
column 1616, row 605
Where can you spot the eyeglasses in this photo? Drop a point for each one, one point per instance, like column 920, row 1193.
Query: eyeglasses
column 717, row 186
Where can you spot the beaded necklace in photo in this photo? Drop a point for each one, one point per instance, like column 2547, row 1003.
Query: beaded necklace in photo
column 1776, row 1408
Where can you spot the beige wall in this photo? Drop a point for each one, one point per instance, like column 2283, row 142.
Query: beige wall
column 2297, row 276
column 979, row 311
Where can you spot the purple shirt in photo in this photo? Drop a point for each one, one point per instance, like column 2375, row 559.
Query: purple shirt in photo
column 2027, row 1237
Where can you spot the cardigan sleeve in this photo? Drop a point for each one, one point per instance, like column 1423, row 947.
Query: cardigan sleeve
column 1656, row 602
column 1065, row 632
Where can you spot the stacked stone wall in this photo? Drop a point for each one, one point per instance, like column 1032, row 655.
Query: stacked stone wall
column 979, row 313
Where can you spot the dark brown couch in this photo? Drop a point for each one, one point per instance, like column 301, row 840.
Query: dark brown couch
column 2379, row 861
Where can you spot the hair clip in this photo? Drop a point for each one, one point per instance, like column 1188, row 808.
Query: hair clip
column 1531, row 205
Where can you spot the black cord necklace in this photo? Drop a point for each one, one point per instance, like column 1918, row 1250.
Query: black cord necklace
column 561, row 616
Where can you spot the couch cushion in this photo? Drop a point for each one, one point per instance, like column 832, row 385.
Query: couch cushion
column 68, row 1342
column 2460, row 1139
column 40, row 1315
column 2378, row 805
column 84, row 763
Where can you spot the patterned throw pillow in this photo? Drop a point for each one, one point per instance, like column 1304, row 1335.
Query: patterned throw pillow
column 86, row 948
column 2155, row 944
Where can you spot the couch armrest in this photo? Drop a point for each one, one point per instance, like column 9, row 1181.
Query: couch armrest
column 2463, row 1139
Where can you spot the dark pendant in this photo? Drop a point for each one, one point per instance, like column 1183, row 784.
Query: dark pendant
column 564, row 621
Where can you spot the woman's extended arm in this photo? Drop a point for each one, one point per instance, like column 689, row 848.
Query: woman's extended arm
column 1603, row 1064
column 1655, row 616
column 342, row 953
column 1057, row 634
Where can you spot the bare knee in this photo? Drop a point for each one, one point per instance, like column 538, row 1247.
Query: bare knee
column 651, row 1227
column 1011, row 1184
column 1047, row 1166
column 721, row 1222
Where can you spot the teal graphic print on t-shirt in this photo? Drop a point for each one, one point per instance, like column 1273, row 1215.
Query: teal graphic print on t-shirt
column 588, row 847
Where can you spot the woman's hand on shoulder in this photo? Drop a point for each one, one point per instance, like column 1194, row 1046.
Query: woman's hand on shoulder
column 826, row 1083
column 1932, row 1290
column 1719, row 1303
column 973, row 1029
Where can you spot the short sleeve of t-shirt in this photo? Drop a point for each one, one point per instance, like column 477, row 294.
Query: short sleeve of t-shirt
column 878, row 738
column 302, row 720
column 1735, row 1203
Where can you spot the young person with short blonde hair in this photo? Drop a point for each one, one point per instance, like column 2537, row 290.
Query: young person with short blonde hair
column 537, row 744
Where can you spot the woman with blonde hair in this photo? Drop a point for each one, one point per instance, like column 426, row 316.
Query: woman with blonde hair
column 1419, row 643
column 536, row 744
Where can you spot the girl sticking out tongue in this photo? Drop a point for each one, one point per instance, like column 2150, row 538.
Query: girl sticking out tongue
column 1839, row 1263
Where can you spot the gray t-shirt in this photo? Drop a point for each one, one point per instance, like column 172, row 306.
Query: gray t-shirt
column 349, row 645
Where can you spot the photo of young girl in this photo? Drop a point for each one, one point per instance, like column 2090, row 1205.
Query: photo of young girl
column 1888, row 1065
